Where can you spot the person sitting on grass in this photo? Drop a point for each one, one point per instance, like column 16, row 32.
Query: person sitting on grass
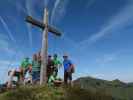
column 54, row 81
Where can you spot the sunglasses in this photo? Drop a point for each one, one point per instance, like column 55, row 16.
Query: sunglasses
column 65, row 56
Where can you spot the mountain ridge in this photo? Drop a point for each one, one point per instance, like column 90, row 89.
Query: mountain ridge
column 115, row 88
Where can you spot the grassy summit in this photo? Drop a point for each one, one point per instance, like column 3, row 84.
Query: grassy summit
column 52, row 93
column 90, row 89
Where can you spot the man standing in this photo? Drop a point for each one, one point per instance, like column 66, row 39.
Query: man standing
column 57, row 64
column 68, row 70
column 35, row 69
column 50, row 65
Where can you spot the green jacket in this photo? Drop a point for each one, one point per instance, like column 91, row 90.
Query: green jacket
column 51, row 80
column 56, row 62
column 25, row 63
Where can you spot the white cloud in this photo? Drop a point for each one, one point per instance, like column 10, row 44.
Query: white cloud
column 3, row 63
column 117, row 22
column 106, row 59
column 59, row 10
column 46, row 2
column 30, row 12
column 7, row 29
column 4, row 44
column 68, row 40
column 3, row 41
column 17, row 5
column 8, row 50
column 54, row 10
column 8, row 64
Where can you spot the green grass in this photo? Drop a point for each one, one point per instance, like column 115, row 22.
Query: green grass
column 52, row 93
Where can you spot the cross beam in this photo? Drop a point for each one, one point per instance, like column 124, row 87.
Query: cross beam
column 46, row 28
column 39, row 24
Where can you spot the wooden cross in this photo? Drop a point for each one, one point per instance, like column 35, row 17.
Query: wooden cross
column 44, row 51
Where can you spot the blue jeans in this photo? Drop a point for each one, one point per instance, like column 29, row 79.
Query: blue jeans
column 35, row 75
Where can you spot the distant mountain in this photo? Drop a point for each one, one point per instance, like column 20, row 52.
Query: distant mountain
column 116, row 88
column 130, row 84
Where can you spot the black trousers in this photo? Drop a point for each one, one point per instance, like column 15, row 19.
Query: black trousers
column 67, row 76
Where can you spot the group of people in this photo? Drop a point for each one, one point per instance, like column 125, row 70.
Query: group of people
column 29, row 70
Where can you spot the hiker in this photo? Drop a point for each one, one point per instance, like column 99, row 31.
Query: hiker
column 19, row 74
column 68, row 70
column 35, row 69
column 57, row 64
column 53, row 80
column 10, row 79
column 24, row 65
column 11, row 74
column 50, row 65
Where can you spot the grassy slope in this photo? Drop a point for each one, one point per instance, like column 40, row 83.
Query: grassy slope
column 50, row 93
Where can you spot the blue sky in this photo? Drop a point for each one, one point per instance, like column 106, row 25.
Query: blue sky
column 97, row 35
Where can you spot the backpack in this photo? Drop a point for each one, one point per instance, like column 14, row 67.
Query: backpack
column 71, row 69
